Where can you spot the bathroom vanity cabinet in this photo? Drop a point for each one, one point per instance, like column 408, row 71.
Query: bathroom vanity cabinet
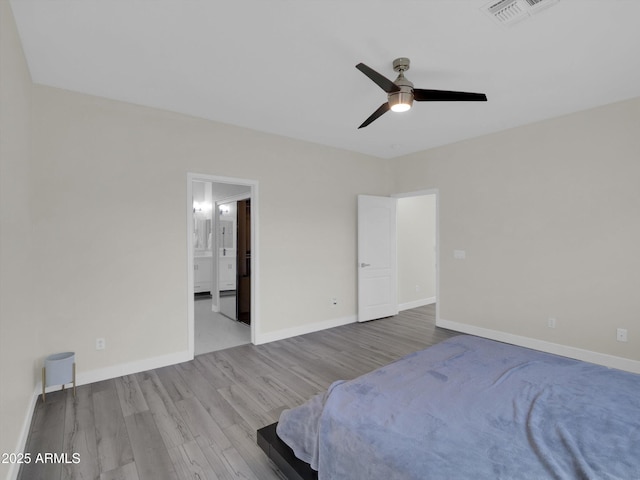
column 202, row 273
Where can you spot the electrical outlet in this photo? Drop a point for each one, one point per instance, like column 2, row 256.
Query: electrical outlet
column 621, row 335
column 551, row 322
column 101, row 344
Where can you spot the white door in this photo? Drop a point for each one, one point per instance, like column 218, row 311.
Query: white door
column 377, row 263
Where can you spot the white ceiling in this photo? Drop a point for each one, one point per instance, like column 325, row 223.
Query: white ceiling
column 288, row 67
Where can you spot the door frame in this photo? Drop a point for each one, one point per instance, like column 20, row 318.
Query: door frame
column 436, row 192
column 255, row 255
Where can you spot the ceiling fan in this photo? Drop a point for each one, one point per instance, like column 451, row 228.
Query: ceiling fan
column 401, row 93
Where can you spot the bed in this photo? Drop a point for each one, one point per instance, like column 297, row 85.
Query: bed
column 467, row 408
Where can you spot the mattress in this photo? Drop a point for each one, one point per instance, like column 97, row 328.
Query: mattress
column 473, row 408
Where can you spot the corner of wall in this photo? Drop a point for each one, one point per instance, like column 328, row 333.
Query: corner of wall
column 17, row 322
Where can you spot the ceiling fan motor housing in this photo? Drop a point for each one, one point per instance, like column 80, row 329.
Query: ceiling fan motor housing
column 403, row 100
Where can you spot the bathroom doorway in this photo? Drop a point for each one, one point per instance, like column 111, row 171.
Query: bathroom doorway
column 222, row 258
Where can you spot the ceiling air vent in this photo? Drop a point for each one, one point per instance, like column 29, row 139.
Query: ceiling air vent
column 507, row 12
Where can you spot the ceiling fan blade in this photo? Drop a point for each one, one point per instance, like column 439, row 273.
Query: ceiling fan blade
column 382, row 109
column 382, row 81
column 421, row 95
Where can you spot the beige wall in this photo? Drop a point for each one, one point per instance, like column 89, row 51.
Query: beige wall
column 18, row 278
column 109, row 183
column 416, row 222
column 548, row 217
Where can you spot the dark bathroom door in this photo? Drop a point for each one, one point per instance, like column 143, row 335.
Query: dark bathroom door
column 244, row 262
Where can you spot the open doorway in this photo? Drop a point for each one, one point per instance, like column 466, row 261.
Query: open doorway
column 417, row 236
column 222, row 255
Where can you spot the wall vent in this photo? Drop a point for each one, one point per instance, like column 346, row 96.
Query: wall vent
column 508, row 12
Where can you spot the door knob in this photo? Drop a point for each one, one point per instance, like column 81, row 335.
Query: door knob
column 365, row 265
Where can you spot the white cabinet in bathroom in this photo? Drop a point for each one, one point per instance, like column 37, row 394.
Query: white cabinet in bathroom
column 202, row 274
column 227, row 270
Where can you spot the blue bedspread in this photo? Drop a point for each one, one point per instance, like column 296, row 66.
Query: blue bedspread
column 471, row 408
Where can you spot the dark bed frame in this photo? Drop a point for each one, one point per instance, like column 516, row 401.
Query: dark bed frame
column 282, row 455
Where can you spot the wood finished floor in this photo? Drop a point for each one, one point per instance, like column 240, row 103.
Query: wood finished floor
column 198, row 420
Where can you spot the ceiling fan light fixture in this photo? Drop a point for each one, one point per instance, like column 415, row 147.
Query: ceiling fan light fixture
column 401, row 94
column 400, row 101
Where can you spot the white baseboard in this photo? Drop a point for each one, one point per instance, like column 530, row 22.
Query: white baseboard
column 119, row 370
column 416, row 303
column 122, row 369
column 544, row 346
column 335, row 322
column 303, row 329
column 14, row 468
